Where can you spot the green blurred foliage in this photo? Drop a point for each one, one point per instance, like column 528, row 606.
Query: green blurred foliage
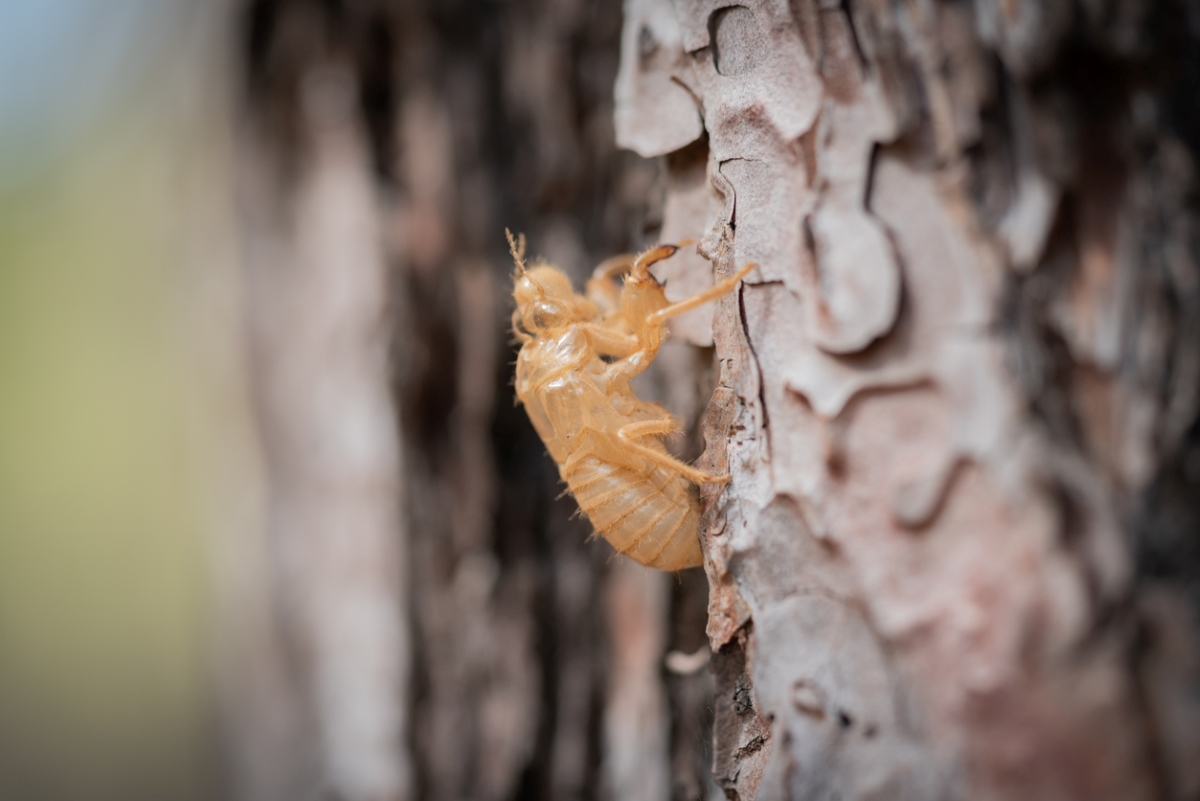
column 102, row 561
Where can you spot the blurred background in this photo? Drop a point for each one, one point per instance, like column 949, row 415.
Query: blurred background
column 270, row 524
column 109, row 137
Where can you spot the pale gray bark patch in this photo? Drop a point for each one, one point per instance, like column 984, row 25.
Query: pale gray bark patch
column 636, row 758
column 335, row 539
column 651, row 50
column 689, row 194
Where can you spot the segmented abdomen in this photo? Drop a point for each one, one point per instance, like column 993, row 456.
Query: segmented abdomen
column 650, row 516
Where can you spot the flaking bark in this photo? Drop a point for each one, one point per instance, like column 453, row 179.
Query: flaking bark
column 962, row 379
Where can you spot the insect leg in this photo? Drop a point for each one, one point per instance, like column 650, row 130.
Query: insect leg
column 609, row 342
column 651, row 334
column 641, row 265
column 712, row 293
column 629, row 435
column 633, row 364
column 521, row 336
column 648, row 330
column 617, row 265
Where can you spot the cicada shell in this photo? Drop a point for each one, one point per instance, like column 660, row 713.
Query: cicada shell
column 578, row 354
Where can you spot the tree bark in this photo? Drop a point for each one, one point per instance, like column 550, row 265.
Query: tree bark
column 953, row 397
column 958, row 399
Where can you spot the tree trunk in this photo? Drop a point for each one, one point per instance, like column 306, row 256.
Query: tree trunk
column 958, row 399
column 958, row 396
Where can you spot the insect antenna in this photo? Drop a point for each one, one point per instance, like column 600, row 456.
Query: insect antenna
column 516, row 246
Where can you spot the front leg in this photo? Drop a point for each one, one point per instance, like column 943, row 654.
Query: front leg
column 619, row 373
column 611, row 268
column 712, row 293
column 650, row 331
column 603, row 289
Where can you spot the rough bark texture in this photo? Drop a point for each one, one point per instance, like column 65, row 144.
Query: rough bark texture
column 432, row 623
column 958, row 398
column 323, row 646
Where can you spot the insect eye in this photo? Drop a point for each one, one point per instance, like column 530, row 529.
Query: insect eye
column 546, row 314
